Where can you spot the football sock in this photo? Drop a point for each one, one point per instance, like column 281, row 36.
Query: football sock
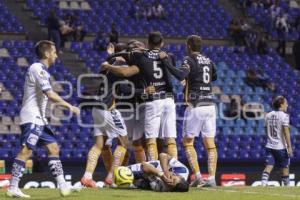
column 92, row 159
column 126, row 159
column 56, row 169
column 285, row 180
column 139, row 153
column 119, row 155
column 152, row 150
column 192, row 157
column 17, row 171
column 212, row 161
column 107, row 157
column 264, row 178
column 172, row 148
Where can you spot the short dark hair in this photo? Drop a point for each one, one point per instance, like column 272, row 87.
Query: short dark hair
column 155, row 38
column 195, row 42
column 120, row 47
column 132, row 44
column 277, row 102
column 182, row 186
column 41, row 47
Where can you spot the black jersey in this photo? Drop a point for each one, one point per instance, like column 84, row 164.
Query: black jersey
column 106, row 91
column 151, row 69
column 198, row 89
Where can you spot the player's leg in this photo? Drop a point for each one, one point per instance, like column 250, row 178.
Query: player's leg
column 168, row 126
column 285, row 176
column 208, row 136
column 57, row 171
column 212, row 158
column 118, row 157
column 92, row 160
column 266, row 174
column 191, row 154
column 18, row 168
column 107, row 156
column 139, row 151
column 153, row 112
column 191, row 129
column 269, row 162
column 29, row 140
column 283, row 161
column 172, row 147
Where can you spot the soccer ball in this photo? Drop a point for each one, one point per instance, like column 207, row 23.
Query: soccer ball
column 123, row 176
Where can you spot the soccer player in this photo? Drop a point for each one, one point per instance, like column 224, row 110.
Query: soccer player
column 160, row 113
column 34, row 126
column 200, row 115
column 108, row 124
column 164, row 175
column 278, row 147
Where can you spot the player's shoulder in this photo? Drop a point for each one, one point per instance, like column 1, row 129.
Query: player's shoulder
column 36, row 67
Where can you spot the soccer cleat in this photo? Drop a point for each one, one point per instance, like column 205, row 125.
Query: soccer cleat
column 197, row 181
column 16, row 193
column 67, row 189
column 88, row 182
column 207, row 183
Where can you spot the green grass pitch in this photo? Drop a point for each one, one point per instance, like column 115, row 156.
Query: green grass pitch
column 219, row 193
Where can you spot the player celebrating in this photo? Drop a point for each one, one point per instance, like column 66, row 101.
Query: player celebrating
column 160, row 114
column 164, row 175
column 278, row 147
column 200, row 115
column 108, row 124
column 34, row 125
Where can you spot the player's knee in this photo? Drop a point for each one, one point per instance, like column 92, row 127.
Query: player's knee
column 54, row 151
column 187, row 142
column 171, row 141
column 25, row 153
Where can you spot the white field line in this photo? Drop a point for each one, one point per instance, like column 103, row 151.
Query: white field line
column 250, row 192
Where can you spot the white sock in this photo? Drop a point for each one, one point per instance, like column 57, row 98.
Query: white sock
column 211, row 178
column 198, row 175
column 88, row 175
column 60, row 180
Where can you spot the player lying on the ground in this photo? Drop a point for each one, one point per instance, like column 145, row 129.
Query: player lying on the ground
column 164, row 175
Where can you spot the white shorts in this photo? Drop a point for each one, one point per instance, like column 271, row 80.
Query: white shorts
column 108, row 123
column 199, row 120
column 134, row 121
column 160, row 119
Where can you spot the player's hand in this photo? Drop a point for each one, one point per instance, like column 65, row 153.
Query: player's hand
column 105, row 65
column 290, row 152
column 150, row 89
column 110, row 49
column 120, row 59
column 183, row 83
column 166, row 179
column 163, row 55
column 75, row 110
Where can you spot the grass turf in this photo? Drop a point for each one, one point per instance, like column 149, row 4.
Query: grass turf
column 220, row 193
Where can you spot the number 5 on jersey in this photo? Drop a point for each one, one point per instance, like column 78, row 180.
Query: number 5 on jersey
column 157, row 71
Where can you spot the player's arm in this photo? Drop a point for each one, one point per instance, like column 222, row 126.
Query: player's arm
column 53, row 96
column 151, row 170
column 287, row 137
column 178, row 73
column 214, row 73
column 121, row 71
column 41, row 77
column 286, row 134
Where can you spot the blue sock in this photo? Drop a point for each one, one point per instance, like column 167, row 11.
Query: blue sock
column 56, row 170
column 17, row 171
